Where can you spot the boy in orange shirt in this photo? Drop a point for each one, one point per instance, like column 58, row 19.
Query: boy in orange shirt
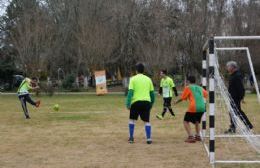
column 196, row 96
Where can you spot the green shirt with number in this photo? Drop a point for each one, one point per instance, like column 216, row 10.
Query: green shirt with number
column 167, row 84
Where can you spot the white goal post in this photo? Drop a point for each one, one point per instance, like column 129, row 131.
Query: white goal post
column 210, row 50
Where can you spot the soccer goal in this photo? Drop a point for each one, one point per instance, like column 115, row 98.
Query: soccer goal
column 242, row 147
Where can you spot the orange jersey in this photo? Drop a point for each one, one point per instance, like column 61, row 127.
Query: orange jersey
column 196, row 96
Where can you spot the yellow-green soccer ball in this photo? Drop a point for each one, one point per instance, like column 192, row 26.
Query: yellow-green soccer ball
column 56, row 107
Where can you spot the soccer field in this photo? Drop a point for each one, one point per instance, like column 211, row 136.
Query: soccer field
column 92, row 131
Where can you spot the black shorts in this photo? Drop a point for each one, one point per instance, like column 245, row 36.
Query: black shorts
column 193, row 117
column 141, row 108
column 167, row 102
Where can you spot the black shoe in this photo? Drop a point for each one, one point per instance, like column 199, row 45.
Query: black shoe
column 230, row 131
column 28, row 117
column 149, row 141
column 131, row 140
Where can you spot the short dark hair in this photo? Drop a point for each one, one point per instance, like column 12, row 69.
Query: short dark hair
column 139, row 67
column 164, row 71
column 192, row 79
column 34, row 78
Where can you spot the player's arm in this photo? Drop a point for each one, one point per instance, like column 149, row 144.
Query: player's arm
column 130, row 94
column 184, row 96
column 175, row 91
column 152, row 96
column 33, row 87
column 178, row 101
column 205, row 93
column 129, row 98
column 240, row 88
column 174, row 88
column 160, row 88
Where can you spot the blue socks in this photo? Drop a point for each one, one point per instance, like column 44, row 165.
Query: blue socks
column 131, row 129
column 148, row 130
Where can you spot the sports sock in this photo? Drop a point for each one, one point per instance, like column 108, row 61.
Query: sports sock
column 131, row 129
column 164, row 111
column 148, row 130
column 170, row 109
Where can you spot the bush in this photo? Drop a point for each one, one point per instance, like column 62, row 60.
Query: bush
column 67, row 83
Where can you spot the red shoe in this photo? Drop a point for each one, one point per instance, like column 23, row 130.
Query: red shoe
column 38, row 103
column 197, row 138
column 190, row 139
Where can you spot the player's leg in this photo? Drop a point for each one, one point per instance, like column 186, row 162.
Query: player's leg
column 197, row 126
column 246, row 121
column 145, row 117
column 169, row 106
column 29, row 100
column 242, row 115
column 160, row 116
column 23, row 103
column 187, row 127
column 187, row 119
column 232, row 127
column 132, row 118
column 131, row 126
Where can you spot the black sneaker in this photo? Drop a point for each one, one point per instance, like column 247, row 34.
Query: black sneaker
column 149, row 141
column 230, row 131
column 131, row 140
column 27, row 117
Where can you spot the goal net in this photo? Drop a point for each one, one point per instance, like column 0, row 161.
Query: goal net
column 243, row 146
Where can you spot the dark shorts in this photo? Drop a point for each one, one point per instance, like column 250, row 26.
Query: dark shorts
column 167, row 102
column 193, row 117
column 142, row 109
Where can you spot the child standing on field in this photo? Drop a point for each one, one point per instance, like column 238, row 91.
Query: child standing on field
column 196, row 96
column 167, row 87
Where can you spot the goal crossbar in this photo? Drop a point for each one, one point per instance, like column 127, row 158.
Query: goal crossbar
column 232, row 38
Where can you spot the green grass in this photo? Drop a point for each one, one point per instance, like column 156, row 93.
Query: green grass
column 92, row 131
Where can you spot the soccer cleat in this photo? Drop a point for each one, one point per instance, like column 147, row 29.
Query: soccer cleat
column 149, row 141
column 190, row 139
column 159, row 116
column 172, row 117
column 38, row 103
column 197, row 138
column 230, row 131
column 131, row 140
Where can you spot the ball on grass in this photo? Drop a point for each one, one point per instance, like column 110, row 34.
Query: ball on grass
column 56, row 107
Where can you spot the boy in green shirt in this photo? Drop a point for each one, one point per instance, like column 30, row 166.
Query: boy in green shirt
column 167, row 87
column 139, row 101
column 24, row 96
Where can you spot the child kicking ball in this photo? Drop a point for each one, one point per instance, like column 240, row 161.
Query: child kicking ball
column 24, row 95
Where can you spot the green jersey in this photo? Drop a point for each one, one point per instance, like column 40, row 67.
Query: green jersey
column 142, row 86
column 24, row 87
column 167, row 84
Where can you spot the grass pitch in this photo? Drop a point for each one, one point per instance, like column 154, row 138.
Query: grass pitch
column 92, row 131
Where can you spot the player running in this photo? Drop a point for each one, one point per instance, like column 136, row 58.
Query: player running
column 167, row 87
